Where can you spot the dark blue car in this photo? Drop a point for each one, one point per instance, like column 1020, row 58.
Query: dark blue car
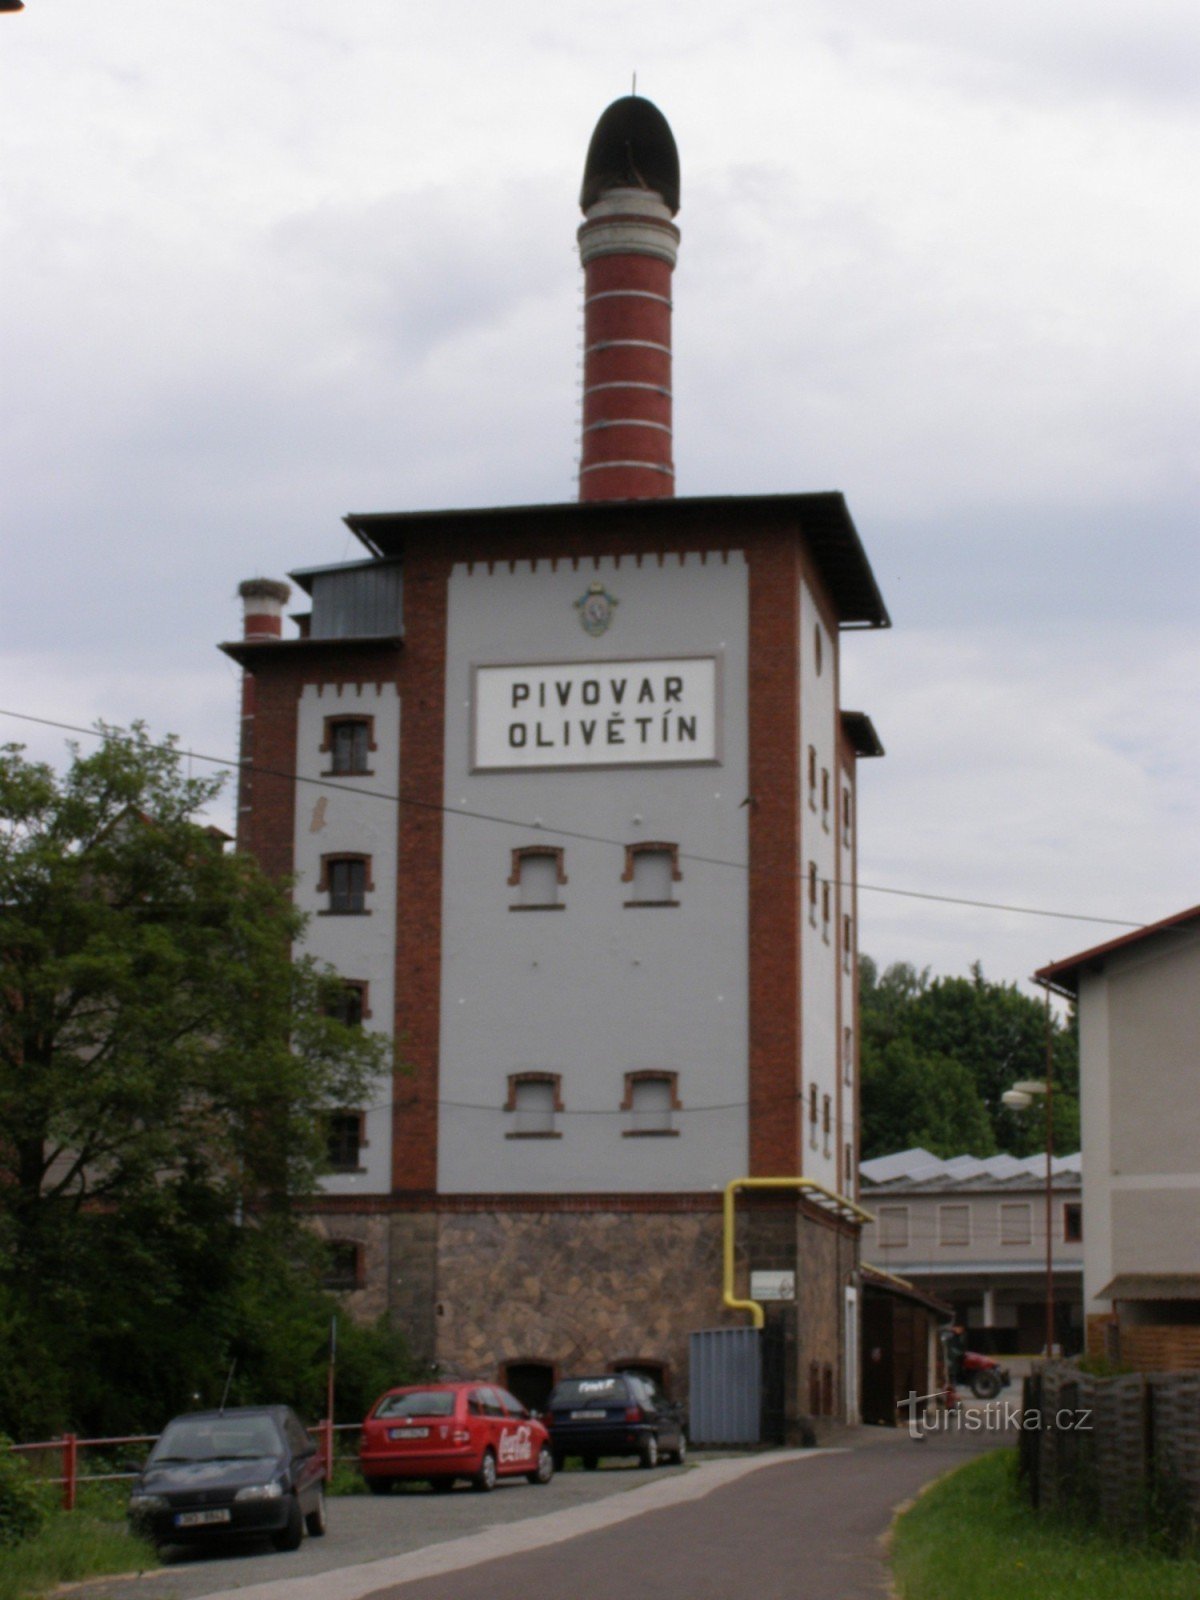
column 248, row 1470
column 613, row 1414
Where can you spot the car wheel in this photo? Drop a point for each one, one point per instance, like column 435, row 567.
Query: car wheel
column 441, row 1485
column 544, row 1470
column 679, row 1455
column 590, row 1462
column 314, row 1521
column 649, row 1456
column 986, row 1385
column 291, row 1535
column 380, row 1485
column 485, row 1479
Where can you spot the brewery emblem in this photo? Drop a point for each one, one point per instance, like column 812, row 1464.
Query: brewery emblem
column 595, row 608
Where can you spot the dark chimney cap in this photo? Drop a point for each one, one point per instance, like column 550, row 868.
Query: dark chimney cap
column 632, row 148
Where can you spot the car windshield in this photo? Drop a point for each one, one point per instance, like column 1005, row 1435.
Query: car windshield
column 417, row 1403
column 588, row 1391
column 217, row 1439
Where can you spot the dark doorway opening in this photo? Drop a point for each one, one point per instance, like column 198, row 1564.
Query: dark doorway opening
column 530, row 1381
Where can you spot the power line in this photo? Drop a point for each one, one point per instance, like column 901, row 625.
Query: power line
column 105, row 732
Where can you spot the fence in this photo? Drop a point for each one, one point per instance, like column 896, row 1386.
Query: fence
column 68, row 1449
column 1124, row 1451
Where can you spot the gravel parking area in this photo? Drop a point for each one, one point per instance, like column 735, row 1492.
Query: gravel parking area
column 366, row 1528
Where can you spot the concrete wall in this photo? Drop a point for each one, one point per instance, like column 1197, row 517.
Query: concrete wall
column 596, row 989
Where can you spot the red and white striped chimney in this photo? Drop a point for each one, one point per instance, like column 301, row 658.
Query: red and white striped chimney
column 628, row 244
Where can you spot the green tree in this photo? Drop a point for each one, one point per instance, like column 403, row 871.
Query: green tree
column 166, row 1065
column 939, row 1053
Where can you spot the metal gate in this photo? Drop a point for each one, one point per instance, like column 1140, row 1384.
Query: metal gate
column 725, row 1398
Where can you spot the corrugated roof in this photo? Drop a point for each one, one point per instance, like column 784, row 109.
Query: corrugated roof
column 909, row 1171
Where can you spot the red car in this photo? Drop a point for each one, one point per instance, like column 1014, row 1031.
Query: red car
column 445, row 1431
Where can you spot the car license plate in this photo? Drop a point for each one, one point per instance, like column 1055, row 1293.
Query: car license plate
column 408, row 1433
column 588, row 1416
column 197, row 1519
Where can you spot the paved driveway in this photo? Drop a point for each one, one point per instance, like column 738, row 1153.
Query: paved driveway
column 363, row 1528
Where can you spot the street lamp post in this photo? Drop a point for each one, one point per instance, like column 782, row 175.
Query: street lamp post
column 1019, row 1098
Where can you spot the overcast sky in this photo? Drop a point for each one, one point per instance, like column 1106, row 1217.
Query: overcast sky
column 264, row 265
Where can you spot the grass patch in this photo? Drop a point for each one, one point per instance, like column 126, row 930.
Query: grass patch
column 973, row 1537
column 73, row 1545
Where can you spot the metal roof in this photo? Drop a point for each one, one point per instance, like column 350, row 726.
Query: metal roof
column 917, row 1171
column 821, row 522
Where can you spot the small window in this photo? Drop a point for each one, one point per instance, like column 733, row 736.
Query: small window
column 893, row 1227
column 1016, row 1222
column 343, row 1269
column 812, row 893
column 1073, row 1222
column 847, row 814
column 345, row 1141
column 847, row 943
column 651, row 1099
column 813, row 1115
column 347, row 881
column 652, row 871
column 848, row 1170
column 826, row 799
column 954, row 1225
column 818, row 648
column 847, row 1055
column 827, row 1124
column 347, row 743
column 535, row 1099
column 350, row 1005
column 826, row 908
column 812, row 777
column 537, row 874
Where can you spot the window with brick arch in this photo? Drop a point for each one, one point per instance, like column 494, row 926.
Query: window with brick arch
column 651, row 1101
column 534, row 1100
column 652, row 871
column 537, row 875
column 348, row 742
column 346, row 879
column 344, row 1141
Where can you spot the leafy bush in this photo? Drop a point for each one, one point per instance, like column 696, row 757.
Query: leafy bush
column 23, row 1508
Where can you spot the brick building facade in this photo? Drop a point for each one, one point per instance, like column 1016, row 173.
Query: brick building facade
column 570, row 796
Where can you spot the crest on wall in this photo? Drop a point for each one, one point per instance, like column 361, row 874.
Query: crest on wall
column 595, row 608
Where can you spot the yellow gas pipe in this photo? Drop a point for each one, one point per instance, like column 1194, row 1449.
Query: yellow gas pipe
column 824, row 1196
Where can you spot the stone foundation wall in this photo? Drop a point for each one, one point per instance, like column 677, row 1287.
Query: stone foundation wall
column 577, row 1289
column 582, row 1289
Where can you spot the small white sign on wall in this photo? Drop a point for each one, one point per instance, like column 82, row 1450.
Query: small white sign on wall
column 772, row 1286
column 596, row 713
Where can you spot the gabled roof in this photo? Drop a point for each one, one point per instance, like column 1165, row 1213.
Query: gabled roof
column 1064, row 975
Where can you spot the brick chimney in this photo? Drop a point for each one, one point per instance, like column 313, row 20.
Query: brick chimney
column 263, row 600
column 628, row 244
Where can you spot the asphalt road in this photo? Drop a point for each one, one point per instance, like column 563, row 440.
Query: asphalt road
column 805, row 1525
column 365, row 1529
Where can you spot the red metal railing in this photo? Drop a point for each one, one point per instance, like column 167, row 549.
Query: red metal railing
column 69, row 1446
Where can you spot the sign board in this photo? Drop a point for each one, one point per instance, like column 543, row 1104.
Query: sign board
column 772, row 1286
column 596, row 714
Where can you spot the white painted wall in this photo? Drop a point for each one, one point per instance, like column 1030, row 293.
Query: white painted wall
column 595, row 990
column 820, row 964
column 344, row 815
